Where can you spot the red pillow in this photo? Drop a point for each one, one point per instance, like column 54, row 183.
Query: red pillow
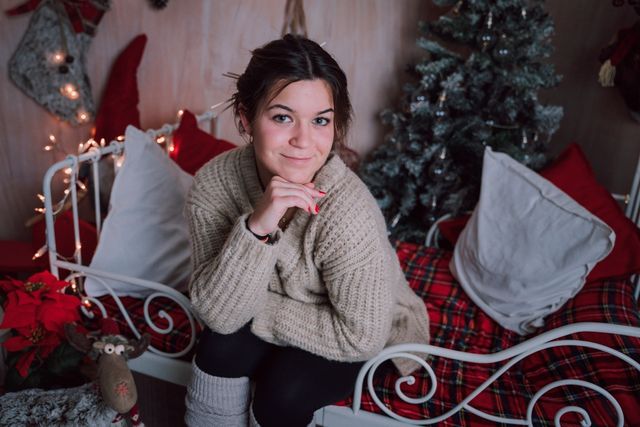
column 572, row 173
column 119, row 105
column 65, row 244
column 193, row 147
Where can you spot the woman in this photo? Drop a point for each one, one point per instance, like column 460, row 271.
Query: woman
column 293, row 273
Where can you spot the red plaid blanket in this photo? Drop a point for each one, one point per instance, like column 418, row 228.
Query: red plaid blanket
column 457, row 323
column 174, row 341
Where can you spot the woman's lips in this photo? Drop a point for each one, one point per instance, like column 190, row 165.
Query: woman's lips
column 297, row 159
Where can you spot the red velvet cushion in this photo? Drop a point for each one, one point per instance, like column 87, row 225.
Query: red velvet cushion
column 192, row 147
column 119, row 105
column 16, row 257
column 572, row 173
column 65, row 244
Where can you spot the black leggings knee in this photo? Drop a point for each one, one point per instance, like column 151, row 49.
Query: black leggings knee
column 290, row 383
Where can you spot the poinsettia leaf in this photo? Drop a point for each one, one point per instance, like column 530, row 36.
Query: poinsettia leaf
column 54, row 315
column 16, row 343
column 15, row 382
column 28, row 298
column 52, row 282
column 63, row 359
column 18, row 316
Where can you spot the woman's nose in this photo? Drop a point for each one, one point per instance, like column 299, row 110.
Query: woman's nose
column 301, row 136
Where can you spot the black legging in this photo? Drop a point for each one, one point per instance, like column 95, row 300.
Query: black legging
column 290, row 383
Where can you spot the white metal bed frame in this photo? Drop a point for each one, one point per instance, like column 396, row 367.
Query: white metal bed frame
column 168, row 367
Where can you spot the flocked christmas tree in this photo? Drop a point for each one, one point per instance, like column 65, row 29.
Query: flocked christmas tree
column 480, row 89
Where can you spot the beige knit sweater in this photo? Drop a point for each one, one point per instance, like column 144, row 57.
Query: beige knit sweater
column 331, row 284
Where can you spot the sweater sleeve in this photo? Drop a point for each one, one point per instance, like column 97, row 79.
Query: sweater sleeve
column 355, row 323
column 231, row 269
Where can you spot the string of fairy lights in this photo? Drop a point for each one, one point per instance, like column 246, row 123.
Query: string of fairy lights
column 71, row 178
column 69, row 90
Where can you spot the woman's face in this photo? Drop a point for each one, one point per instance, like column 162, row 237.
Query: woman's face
column 293, row 133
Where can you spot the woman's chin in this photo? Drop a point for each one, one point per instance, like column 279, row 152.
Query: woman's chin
column 298, row 177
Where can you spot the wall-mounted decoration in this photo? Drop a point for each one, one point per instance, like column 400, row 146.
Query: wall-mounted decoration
column 621, row 67
column 49, row 62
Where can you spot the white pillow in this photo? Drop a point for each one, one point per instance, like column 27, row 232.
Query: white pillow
column 145, row 235
column 528, row 247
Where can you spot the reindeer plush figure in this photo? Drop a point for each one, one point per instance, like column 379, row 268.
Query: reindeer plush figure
column 112, row 351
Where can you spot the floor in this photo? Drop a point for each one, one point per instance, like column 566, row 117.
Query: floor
column 161, row 403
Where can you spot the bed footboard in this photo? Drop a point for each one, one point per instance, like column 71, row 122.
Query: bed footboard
column 334, row 416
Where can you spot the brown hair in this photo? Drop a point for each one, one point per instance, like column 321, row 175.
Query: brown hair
column 281, row 62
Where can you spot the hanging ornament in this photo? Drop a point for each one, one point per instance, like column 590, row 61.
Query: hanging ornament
column 419, row 104
column 432, row 209
column 295, row 21
column 395, row 220
column 441, row 111
column 503, row 51
column 159, row 4
column 524, row 142
column 439, row 166
column 486, row 38
column 49, row 63
column 456, row 9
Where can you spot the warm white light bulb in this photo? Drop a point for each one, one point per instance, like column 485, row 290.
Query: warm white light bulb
column 83, row 116
column 70, row 91
column 40, row 252
column 57, row 58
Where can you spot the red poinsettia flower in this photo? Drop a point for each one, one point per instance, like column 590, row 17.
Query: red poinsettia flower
column 37, row 311
column 37, row 340
column 56, row 310
column 17, row 315
column 38, row 300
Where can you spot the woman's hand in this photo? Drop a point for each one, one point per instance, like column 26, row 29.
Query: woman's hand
column 279, row 196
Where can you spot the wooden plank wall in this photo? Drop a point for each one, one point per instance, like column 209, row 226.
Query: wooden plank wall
column 595, row 117
column 192, row 42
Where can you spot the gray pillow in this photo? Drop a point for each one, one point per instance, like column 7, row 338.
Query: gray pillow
column 528, row 247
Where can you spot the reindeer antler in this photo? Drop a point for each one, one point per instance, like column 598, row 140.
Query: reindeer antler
column 139, row 346
column 79, row 341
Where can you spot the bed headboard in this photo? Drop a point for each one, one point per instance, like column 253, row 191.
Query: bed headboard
column 71, row 164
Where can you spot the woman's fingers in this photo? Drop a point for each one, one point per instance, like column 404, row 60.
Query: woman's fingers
column 287, row 192
column 279, row 196
column 309, row 187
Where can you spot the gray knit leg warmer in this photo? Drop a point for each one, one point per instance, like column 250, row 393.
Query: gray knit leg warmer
column 252, row 418
column 216, row 401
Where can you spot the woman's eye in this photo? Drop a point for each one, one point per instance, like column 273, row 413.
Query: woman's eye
column 282, row 118
column 321, row 121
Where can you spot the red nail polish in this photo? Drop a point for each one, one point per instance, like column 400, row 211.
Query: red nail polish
column 317, row 208
column 322, row 193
